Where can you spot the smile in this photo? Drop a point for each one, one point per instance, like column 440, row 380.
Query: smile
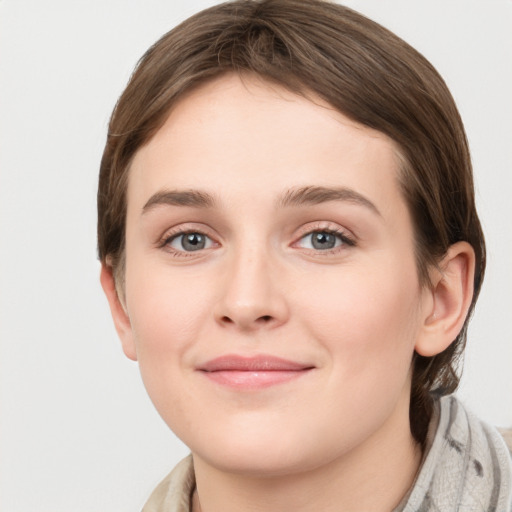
column 253, row 372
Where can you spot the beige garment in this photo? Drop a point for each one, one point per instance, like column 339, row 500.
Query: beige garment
column 174, row 492
column 507, row 435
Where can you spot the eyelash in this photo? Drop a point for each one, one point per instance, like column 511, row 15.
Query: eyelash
column 341, row 234
column 170, row 237
column 345, row 239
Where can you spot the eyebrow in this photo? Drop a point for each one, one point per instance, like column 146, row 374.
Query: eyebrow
column 316, row 195
column 194, row 198
column 309, row 195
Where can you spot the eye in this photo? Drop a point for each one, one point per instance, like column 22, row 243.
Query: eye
column 189, row 242
column 323, row 240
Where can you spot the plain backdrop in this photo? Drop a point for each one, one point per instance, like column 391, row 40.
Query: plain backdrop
column 77, row 429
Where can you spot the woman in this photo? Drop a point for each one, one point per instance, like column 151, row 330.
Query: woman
column 291, row 251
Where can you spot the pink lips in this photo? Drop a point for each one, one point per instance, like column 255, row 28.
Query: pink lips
column 252, row 372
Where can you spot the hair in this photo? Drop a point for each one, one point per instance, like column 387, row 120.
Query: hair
column 315, row 47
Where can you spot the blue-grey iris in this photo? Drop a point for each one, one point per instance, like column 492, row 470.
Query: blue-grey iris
column 322, row 240
column 193, row 241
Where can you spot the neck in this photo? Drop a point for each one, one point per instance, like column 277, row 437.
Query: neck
column 373, row 477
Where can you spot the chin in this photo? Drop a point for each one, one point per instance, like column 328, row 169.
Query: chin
column 265, row 455
column 257, row 463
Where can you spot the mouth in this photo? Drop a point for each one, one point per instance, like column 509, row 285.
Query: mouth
column 255, row 372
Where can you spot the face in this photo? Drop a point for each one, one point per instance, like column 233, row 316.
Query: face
column 272, row 296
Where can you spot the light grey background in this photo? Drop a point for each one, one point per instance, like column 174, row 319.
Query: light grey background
column 77, row 429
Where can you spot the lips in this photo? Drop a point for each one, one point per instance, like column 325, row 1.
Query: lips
column 253, row 372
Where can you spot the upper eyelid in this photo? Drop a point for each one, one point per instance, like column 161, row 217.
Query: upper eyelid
column 325, row 226
column 172, row 236
column 182, row 229
column 329, row 229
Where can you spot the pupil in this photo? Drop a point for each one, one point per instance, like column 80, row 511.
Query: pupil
column 193, row 242
column 323, row 240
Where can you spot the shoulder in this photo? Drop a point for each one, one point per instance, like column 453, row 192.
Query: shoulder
column 173, row 493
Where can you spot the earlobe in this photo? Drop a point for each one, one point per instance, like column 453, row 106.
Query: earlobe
column 118, row 311
column 451, row 296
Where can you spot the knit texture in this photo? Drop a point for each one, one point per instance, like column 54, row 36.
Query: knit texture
column 467, row 468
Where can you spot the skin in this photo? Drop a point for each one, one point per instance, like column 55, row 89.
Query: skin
column 337, row 437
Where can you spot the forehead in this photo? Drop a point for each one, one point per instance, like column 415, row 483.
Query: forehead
column 238, row 135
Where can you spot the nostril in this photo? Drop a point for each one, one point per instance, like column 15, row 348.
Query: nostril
column 247, row 321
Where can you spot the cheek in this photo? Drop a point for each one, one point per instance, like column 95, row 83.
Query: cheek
column 366, row 324
column 161, row 318
column 367, row 319
column 167, row 318
column 167, row 313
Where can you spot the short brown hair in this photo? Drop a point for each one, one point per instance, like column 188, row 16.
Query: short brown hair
column 361, row 69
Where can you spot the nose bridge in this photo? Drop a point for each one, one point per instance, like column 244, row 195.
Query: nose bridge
column 252, row 297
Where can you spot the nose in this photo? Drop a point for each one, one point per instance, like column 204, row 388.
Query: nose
column 253, row 296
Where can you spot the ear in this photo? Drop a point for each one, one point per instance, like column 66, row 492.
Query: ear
column 449, row 300
column 118, row 311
